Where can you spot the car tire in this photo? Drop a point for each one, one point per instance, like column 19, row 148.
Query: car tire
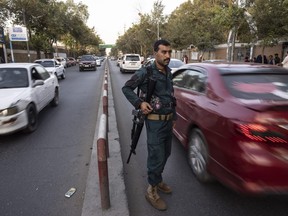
column 198, row 155
column 55, row 100
column 32, row 118
column 80, row 69
column 63, row 76
column 95, row 69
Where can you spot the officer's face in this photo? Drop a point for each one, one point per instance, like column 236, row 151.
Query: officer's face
column 163, row 55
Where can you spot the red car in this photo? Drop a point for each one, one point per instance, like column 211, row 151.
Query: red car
column 233, row 121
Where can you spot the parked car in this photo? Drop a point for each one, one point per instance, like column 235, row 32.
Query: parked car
column 53, row 66
column 130, row 63
column 87, row 62
column 173, row 64
column 233, row 121
column 25, row 89
column 62, row 60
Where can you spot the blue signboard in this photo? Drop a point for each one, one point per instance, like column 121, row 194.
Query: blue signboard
column 2, row 38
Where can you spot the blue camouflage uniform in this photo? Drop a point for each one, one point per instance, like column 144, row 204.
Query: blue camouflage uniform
column 159, row 130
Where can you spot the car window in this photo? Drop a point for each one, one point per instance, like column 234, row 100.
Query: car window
column 87, row 58
column 41, row 73
column 132, row 58
column 192, row 80
column 258, row 86
column 13, row 78
column 46, row 63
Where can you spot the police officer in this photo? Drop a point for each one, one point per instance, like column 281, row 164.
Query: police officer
column 159, row 120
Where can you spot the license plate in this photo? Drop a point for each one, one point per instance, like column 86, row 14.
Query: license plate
column 86, row 66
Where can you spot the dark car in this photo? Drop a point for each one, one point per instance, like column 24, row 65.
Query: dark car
column 233, row 121
column 87, row 62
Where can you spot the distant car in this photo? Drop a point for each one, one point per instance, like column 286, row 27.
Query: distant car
column 53, row 66
column 130, row 63
column 98, row 61
column 173, row 64
column 119, row 60
column 78, row 59
column 233, row 121
column 72, row 61
column 87, row 62
column 25, row 89
column 62, row 60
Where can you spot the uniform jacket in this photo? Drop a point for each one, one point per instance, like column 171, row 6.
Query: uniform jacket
column 164, row 90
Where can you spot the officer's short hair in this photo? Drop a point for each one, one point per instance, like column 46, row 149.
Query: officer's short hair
column 160, row 42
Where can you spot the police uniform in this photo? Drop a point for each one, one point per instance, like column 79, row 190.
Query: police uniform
column 159, row 123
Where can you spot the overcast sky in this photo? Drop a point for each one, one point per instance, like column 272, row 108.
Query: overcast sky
column 112, row 17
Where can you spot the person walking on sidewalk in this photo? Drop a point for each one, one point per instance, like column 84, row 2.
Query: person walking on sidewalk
column 160, row 115
column 285, row 61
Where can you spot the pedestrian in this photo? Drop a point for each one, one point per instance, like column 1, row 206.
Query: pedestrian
column 159, row 118
column 271, row 60
column 185, row 59
column 285, row 61
column 277, row 60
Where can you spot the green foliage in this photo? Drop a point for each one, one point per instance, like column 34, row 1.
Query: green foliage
column 206, row 23
column 52, row 21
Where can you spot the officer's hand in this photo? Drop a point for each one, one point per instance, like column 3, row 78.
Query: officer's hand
column 146, row 108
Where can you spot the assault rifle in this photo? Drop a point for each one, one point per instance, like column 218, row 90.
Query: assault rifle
column 139, row 117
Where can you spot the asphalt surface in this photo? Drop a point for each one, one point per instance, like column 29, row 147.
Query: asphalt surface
column 118, row 199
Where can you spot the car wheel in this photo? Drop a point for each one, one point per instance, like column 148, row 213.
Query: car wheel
column 63, row 76
column 55, row 100
column 80, row 69
column 198, row 156
column 95, row 69
column 32, row 119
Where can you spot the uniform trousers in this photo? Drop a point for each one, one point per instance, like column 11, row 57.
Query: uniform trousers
column 159, row 141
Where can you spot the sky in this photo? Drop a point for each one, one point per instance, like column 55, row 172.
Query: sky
column 112, row 17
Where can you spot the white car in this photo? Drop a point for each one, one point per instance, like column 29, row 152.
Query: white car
column 98, row 61
column 53, row 66
column 130, row 63
column 25, row 89
column 62, row 60
column 173, row 64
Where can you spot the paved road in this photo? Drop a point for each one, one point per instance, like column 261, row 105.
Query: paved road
column 39, row 168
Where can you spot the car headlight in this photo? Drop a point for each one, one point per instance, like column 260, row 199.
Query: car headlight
column 9, row 111
column 14, row 108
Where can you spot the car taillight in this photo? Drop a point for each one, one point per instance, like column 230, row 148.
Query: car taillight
column 262, row 133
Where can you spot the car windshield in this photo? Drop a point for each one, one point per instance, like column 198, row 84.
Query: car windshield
column 175, row 63
column 266, row 87
column 46, row 63
column 13, row 78
column 87, row 58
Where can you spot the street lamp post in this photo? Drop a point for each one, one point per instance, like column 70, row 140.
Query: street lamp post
column 27, row 42
column 157, row 33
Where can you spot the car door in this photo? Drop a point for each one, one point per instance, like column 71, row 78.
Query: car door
column 189, row 91
column 47, row 91
column 59, row 68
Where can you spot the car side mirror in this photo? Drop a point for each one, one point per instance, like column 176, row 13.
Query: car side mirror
column 38, row 83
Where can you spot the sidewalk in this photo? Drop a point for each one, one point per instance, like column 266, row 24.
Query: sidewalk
column 118, row 199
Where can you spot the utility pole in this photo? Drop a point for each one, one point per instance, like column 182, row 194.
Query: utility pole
column 27, row 42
